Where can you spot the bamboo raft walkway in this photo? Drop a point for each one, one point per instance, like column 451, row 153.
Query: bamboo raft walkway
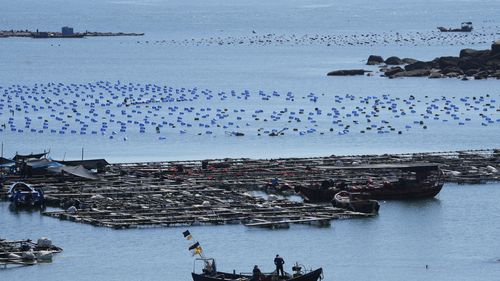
column 234, row 191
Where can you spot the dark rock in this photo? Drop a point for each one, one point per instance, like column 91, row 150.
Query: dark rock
column 348, row 72
column 465, row 53
column 452, row 69
column 373, row 60
column 471, row 72
column 393, row 61
column 481, row 75
column 418, row 66
column 393, row 70
column 413, row 73
column 444, row 62
column 468, row 63
column 493, row 62
column 409, row 60
column 495, row 48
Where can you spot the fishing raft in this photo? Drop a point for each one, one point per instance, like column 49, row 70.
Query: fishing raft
column 256, row 193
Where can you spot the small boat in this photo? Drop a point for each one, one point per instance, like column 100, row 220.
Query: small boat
column 466, row 27
column 400, row 190
column 320, row 192
column 356, row 202
column 27, row 252
column 25, row 196
column 416, row 181
column 211, row 274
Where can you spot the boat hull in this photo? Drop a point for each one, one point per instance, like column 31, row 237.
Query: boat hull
column 403, row 191
column 317, row 194
column 395, row 191
column 311, row 276
column 22, row 195
column 352, row 202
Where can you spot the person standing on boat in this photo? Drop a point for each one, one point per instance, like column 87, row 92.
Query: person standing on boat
column 279, row 262
column 256, row 273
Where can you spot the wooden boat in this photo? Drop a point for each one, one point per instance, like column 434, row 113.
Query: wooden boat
column 25, row 196
column 209, row 275
column 356, row 202
column 316, row 193
column 416, row 181
column 322, row 192
column 400, row 190
column 26, row 252
column 466, row 27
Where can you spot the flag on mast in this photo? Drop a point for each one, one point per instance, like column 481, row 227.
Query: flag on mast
column 187, row 235
column 196, row 248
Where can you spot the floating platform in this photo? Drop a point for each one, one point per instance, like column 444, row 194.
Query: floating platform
column 254, row 193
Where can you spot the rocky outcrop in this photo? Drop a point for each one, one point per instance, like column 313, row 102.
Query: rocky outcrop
column 347, row 72
column 465, row 53
column 374, row 60
column 445, row 62
column 393, row 61
column 413, row 73
column 409, row 60
column 393, row 70
column 495, row 48
column 418, row 66
column 479, row 64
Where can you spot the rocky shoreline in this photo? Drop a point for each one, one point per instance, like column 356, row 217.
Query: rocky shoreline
column 475, row 64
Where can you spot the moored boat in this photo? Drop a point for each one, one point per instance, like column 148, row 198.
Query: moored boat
column 209, row 275
column 25, row 196
column 400, row 190
column 356, row 202
column 316, row 193
column 387, row 182
column 466, row 27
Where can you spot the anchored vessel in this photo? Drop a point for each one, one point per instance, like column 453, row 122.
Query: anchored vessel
column 357, row 202
column 213, row 275
column 382, row 182
column 466, row 27
column 26, row 252
column 23, row 195
column 210, row 272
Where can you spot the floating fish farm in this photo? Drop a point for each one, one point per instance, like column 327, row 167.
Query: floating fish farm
column 233, row 191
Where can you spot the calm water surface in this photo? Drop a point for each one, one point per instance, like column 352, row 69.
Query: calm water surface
column 281, row 67
column 455, row 234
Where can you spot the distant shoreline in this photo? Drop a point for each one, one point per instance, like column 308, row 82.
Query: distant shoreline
column 53, row 34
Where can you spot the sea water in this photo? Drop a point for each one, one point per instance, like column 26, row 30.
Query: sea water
column 454, row 235
column 255, row 47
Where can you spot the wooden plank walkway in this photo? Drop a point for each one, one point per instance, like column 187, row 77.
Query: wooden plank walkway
column 229, row 191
